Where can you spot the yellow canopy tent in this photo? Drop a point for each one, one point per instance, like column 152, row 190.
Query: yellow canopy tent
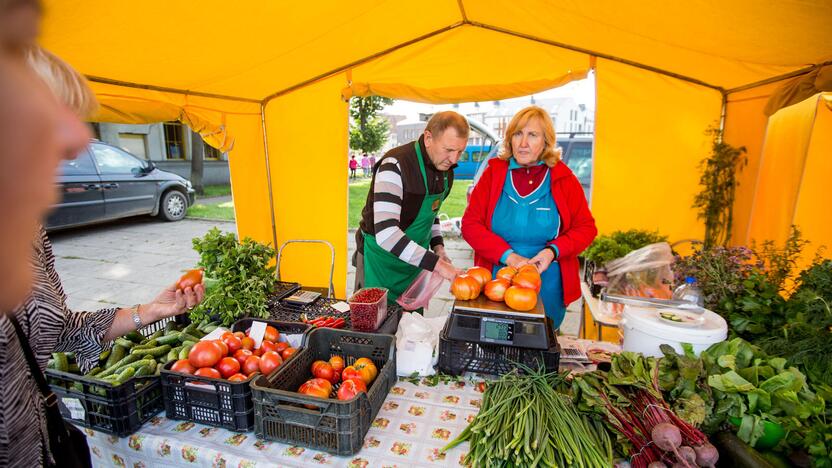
column 273, row 76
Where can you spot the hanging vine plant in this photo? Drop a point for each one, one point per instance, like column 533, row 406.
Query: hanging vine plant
column 715, row 202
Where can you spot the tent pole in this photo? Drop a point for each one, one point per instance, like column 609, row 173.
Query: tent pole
column 268, row 173
column 360, row 61
column 723, row 114
column 127, row 84
column 775, row 79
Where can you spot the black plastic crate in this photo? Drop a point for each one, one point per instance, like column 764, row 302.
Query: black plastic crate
column 457, row 357
column 333, row 426
column 282, row 289
column 283, row 311
column 216, row 402
column 113, row 409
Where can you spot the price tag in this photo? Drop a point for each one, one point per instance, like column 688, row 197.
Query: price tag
column 76, row 409
column 341, row 306
column 214, row 335
column 293, row 340
column 258, row 331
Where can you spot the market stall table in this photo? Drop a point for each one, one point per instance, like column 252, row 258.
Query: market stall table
column 600, row 317
column 414, row 424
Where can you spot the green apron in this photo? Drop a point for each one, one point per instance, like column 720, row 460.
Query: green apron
column 383, row 269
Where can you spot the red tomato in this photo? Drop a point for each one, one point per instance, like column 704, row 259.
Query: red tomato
column 320, row 388
column 204, row 354
column 269, row 362
column 337, row 363
column 248, row 343
column 271, row 334
column 365, row 363
column 287, row 353
column 257, row 352
column 507, row 273
column 480, row 274
column 530, row 268
column 228, row 366
column 350, row 388
column 252, row 374
column 241, row 355
column 316, row 364
column 184, row 366
column 239, row 334
column 222, row 346
column 190, row 279
column 232, row 342
column 252, row 365
column 325, row 371
column 496, row 289
column 351, row 372
column 465, row 287
column 267, row 345
column 237, row 378
column 280, row 346
column 527, row 279
column 208, row 372
column 522, row 299
column 226, row 334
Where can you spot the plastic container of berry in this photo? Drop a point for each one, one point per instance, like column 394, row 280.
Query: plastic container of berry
column 368, row 309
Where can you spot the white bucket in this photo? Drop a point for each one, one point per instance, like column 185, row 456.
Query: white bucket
column 644, row 331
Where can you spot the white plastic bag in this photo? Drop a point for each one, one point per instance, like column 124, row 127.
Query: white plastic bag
column 645, row 272
column 420, row 291
column 417, row 344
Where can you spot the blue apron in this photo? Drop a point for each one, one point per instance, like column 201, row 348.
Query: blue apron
column 528, row 224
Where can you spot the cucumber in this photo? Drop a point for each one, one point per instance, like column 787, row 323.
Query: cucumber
column 209, row 328
column 126, row 360
column 50, row 364
column 186, row 349
column 104, row 355
column 124, row 343
column 117, row 354
column 189, row 329
column 170, row 327
column 156, row 335
column 173, row 353
column 94, row 371
column 74, row 368
column 141, row 348
column 136, row 365
column 127, row 373
column 61, row 362
column 169, row 339
column 188, row 337
column 135, row 337
column 156, row 352
column 146, row 370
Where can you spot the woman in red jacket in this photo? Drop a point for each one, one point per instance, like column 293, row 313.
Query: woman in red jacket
column 528, row 207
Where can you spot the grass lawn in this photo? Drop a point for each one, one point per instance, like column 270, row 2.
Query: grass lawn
column 212, row 211
column 216, row 191
column 453, row 206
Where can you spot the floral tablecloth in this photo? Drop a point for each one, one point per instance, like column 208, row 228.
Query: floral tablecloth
column 414, row 423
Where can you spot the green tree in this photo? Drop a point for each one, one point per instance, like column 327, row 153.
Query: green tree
column 368, row 130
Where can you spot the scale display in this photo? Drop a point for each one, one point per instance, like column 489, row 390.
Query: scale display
column 497, row 331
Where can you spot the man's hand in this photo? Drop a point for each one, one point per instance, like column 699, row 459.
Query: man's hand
column 172, row 301
column 516, row 261
column 543, row 259
column 440, row 250
column 446, row 269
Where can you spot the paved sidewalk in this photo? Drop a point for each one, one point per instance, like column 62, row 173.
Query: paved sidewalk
column 130, row 261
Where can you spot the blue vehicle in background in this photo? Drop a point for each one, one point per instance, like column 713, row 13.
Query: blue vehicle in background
column 481, row 143
column 577, row 154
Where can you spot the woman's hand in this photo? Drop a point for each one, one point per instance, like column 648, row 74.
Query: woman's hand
column 543, row 259
column 174, row 301
column 516, row 261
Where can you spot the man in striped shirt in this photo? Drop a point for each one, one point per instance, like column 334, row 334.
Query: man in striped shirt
column 399, row 232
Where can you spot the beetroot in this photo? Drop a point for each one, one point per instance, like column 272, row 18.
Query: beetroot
column 656, row 464
column 667, row 437
column 706, row 455
column 687, row 454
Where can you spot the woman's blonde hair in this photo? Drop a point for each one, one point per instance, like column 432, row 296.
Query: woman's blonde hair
column 551, row 154
column 69, row 86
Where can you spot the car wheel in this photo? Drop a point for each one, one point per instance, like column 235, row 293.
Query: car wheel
column 173, row 206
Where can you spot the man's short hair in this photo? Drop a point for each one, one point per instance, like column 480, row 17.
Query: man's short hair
column 440, row 122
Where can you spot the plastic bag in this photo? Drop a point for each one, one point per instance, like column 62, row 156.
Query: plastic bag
column 645, row 272
column 417, row 344
column 420, row 291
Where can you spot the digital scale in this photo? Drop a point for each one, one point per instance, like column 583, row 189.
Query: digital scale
column 482, row 320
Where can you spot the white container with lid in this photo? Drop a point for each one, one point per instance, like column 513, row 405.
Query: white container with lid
column 646, row 328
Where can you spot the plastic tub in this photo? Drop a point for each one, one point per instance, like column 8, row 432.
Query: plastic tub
column 368, row 309
column 644, row 331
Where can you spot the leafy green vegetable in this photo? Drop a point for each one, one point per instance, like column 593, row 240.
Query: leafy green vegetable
column 243, row 277
column 620, row 243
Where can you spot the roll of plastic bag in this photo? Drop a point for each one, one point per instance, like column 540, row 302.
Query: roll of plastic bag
column 420, row 291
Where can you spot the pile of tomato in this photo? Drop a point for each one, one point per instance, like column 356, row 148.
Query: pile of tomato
column 234, row 357
column 354, row 379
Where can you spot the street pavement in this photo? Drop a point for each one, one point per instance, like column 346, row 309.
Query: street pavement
column 130, row 261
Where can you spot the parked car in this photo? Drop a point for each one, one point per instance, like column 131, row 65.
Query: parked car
column 105, row 183
column 577, row 154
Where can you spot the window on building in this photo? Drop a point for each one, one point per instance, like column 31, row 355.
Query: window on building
column 174, row 146
column 212, row 153
column 133, row 143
